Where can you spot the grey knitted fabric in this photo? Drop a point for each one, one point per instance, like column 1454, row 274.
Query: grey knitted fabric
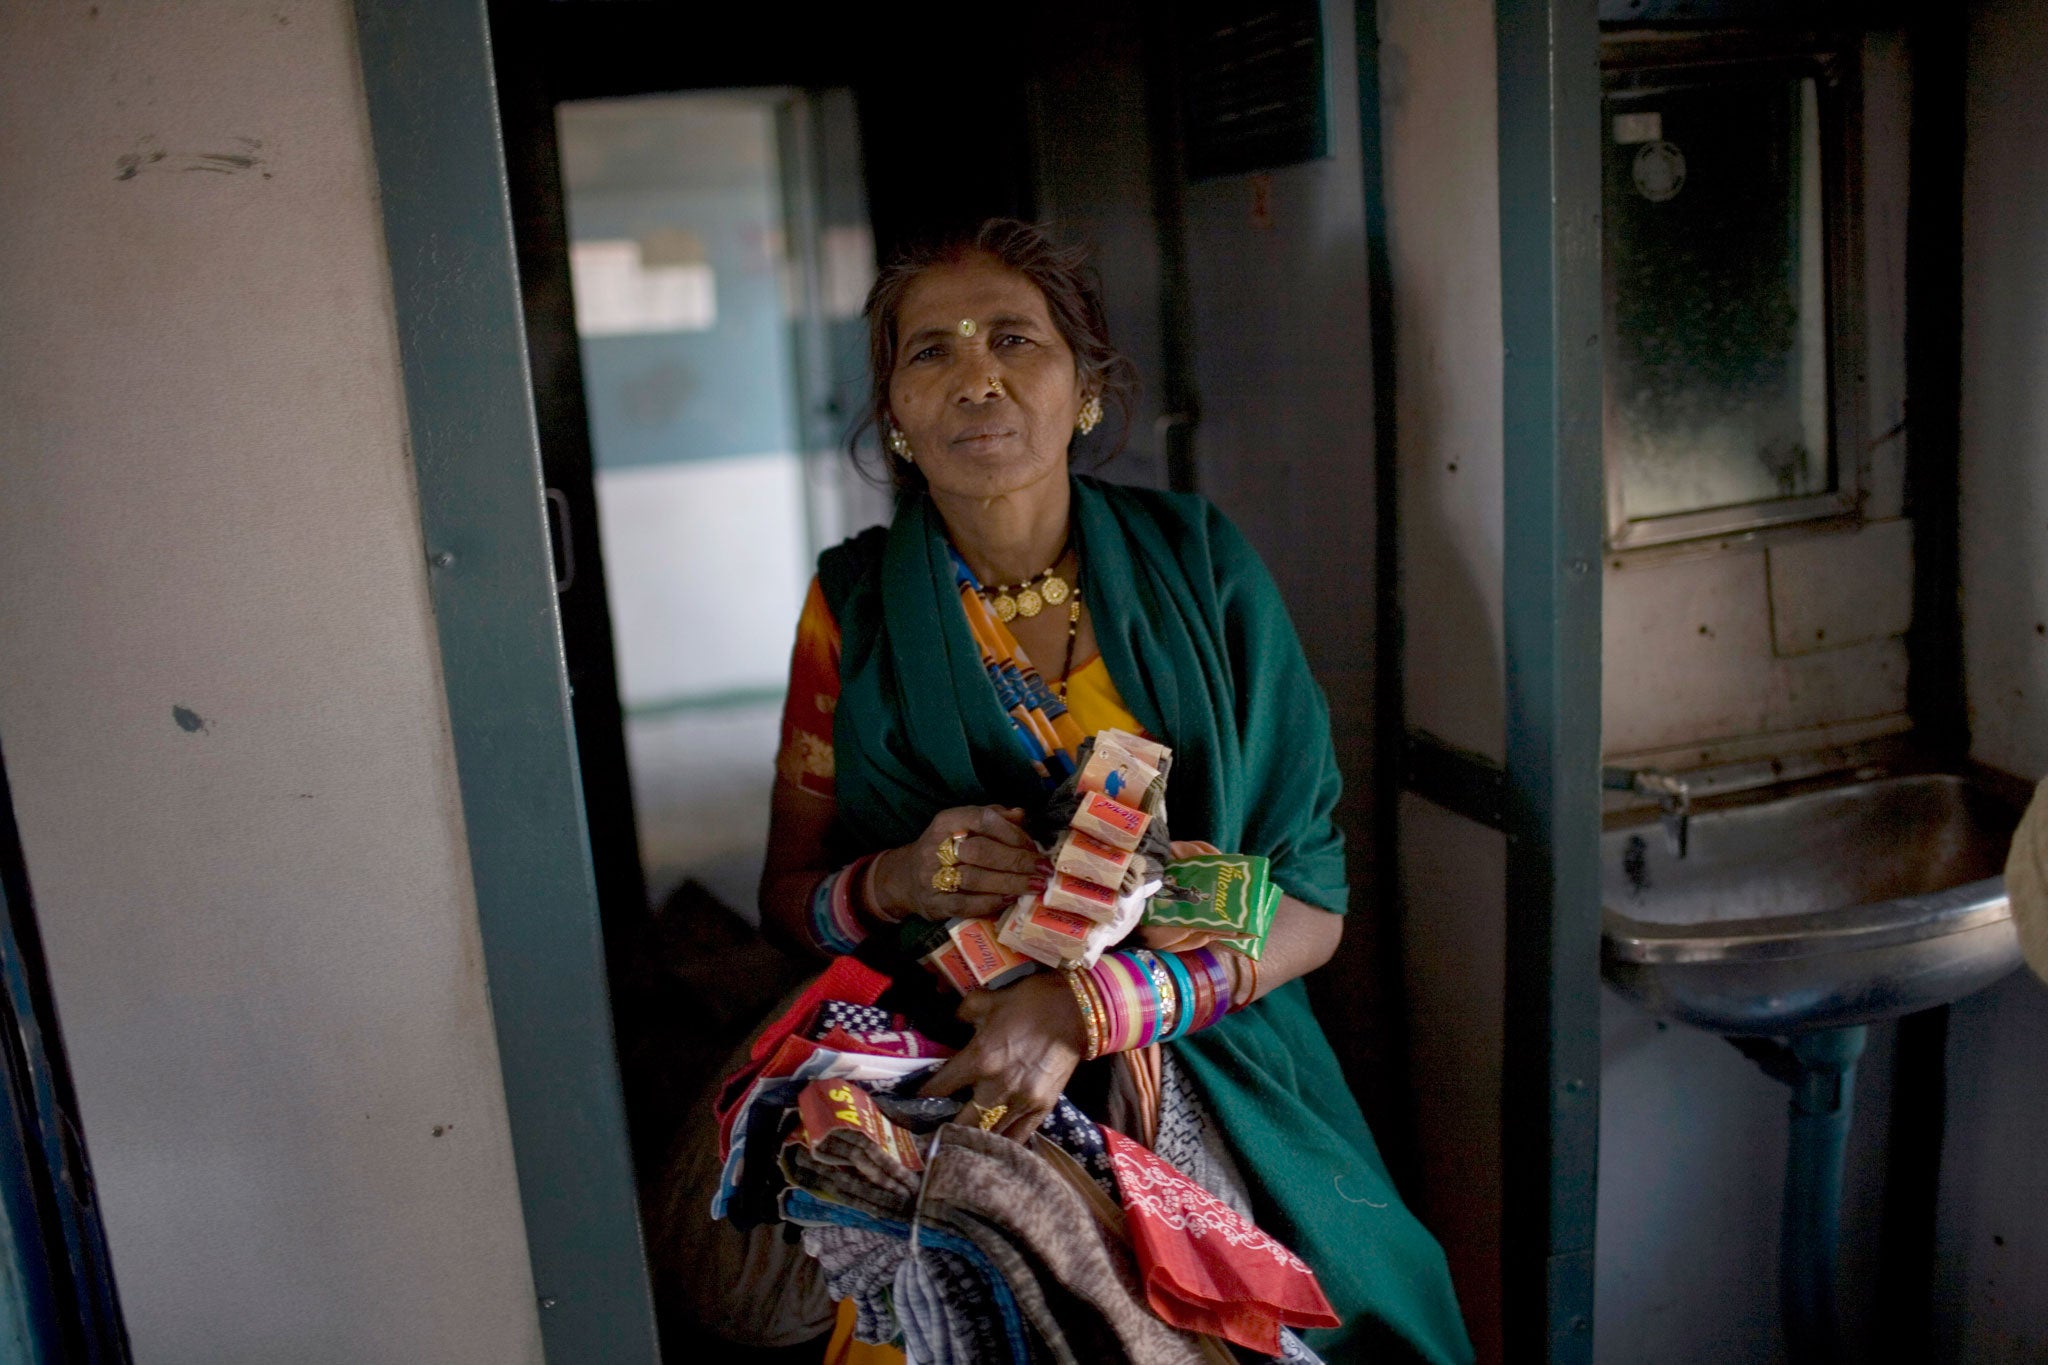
column 1002, row 1183
column 861, row 1266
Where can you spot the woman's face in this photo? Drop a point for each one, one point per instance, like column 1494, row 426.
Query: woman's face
column 985, row 387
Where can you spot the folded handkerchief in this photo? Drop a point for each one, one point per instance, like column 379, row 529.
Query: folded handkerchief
column 1205, row 1268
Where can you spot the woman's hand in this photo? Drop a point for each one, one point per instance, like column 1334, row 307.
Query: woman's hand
column 998, row 862
column 1027, row 1041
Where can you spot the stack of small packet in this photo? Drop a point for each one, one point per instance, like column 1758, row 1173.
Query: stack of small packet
column 966, row 954
column 1106, row 827
column 1106, row 861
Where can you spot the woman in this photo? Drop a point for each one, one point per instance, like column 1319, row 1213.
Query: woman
column 905, row 783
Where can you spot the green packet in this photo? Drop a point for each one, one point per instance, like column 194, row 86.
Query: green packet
column 1222, row 892
column 1253, row 944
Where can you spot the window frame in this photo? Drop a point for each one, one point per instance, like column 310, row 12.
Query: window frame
column 1647, row 61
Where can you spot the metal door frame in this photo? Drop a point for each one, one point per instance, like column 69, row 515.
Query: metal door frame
column 1549, row 112
column 1545, row 798
column 447, row 218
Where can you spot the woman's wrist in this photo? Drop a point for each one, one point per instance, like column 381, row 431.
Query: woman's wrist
column 835, row 927
column 865, row 900
column 1244, row 980
column 1131, row 999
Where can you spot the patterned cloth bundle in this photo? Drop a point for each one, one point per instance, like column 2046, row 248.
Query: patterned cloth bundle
column 966, row 1247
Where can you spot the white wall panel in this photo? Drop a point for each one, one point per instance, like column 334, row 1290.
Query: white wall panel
column 2005, row 387
column 1438, row 135
column 1992, row 1281
column 1443, row 240
column 706, row 566
column 222, row 705
column 1828, row 592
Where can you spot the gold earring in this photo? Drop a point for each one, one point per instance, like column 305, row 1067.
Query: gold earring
column 1091, row 415
column 900, row 443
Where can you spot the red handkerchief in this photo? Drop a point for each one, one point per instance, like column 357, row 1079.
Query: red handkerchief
column 846, row 979
column 1206, row 1269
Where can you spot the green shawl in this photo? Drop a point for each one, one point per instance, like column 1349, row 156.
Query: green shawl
column 1199, row 644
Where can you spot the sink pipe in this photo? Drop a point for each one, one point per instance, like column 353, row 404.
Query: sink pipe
column 1673, row 798
column 1820, row 1068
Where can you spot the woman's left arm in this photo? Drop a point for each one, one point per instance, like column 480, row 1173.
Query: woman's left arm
column 1302, row 939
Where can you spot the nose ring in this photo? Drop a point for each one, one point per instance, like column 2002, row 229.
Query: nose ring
column 995, row 384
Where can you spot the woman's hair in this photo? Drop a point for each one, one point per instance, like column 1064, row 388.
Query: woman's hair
column 1073, row 297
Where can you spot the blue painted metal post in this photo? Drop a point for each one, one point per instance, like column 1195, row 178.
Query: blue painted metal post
column 29, row 1330
column 1823, row 1104
column 1549, row 111
column 447, row 220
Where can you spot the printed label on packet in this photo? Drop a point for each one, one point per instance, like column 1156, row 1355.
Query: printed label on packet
column 1150, row 750
column 1087, row 857
column 1253, row 945
column 1116, row 772
column 1111, row 821
column 993, row 963
column 1037, row 930
column 1222, row 891
column 830, row 1105
column 946, row 963
column 1069, row 892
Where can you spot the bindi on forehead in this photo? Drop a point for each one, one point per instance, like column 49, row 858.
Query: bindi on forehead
column 971, row 292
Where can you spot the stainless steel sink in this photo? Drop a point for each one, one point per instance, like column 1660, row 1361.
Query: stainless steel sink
column 1818, row 910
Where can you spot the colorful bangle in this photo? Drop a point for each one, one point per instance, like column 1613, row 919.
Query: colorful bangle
column 1184, row 991
column 1154, row 998
column 1107, row 983
column 1210, row 963
column 865, row 901
column 1204, row 987
column 834, row 924
column 1145, row 1025
column 1167, row 1013
column 1141, row 997
column 1076, row 981
column 1252, row 965
column 1133, row 1007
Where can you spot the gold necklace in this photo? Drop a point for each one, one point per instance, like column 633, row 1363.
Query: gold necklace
column 1031, row 596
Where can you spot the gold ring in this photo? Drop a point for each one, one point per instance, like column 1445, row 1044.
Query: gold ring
column 949, row 849
column 992, row 1116
column 946, row 879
